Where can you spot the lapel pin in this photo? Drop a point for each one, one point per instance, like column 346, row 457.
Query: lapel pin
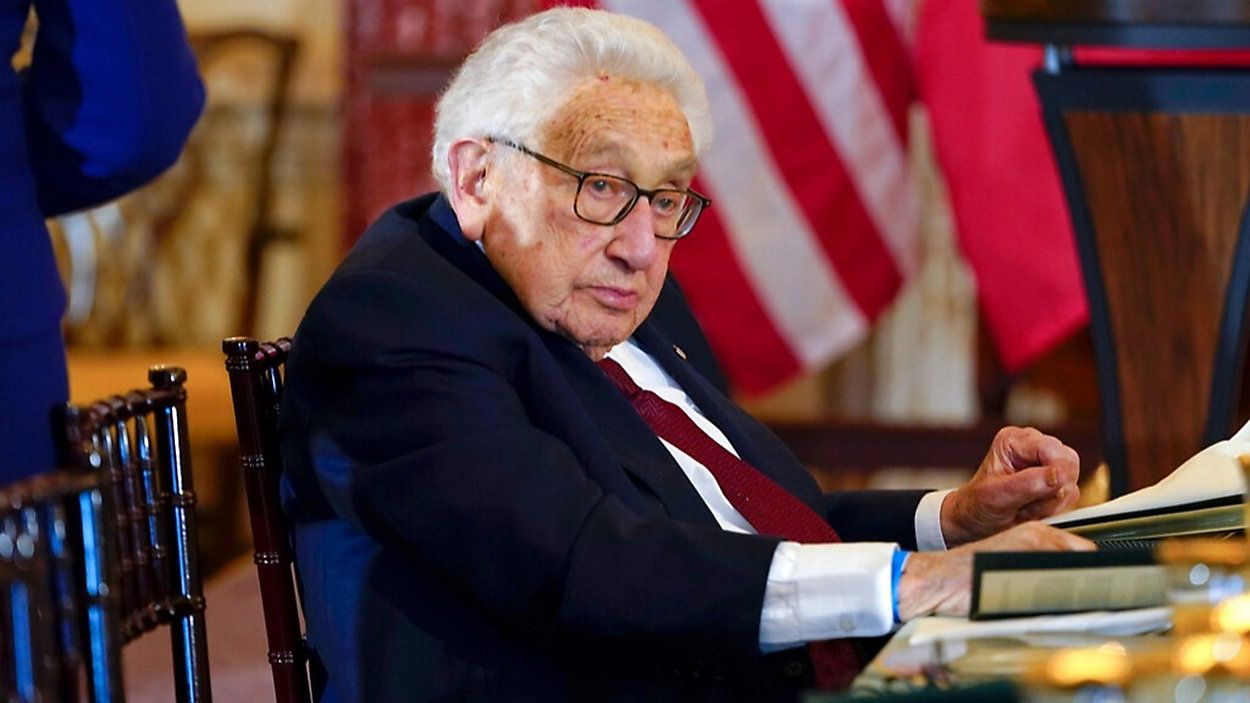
column 679, row 352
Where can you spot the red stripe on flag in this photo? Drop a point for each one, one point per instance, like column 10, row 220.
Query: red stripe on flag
column 1009, row 209
column 885, row 58
column 755, row 356
column 806, row 159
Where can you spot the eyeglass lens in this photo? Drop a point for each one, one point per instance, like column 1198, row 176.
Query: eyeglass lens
column 607, row 200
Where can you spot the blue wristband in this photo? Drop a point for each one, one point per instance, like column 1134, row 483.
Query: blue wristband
column 896, row 572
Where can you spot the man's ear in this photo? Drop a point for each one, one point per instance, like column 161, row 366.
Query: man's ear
column 469, row 197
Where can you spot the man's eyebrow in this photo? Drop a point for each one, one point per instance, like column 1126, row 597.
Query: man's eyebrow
column 685, row 166
column 604, row 150
column 617, row 153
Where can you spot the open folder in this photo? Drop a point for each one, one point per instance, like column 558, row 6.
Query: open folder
column 1204, row 496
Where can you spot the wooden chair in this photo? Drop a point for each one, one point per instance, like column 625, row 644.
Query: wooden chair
column 138, row 443
column 103, row 551
column 49, row 593
column 255, row 370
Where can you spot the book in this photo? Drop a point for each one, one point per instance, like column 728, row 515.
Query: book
column 1017, row 584
column 1203, row 496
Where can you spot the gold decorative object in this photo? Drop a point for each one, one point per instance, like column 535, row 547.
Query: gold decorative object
column 1203, row 571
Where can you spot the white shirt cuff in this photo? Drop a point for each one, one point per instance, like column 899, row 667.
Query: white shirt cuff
column 929, row 522
column 825, row 591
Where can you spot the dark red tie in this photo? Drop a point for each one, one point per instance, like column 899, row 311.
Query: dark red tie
column 771, row 509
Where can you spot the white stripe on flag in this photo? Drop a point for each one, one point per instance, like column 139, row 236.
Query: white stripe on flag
column 902, row 14
column 789, row 272
column 824, row 52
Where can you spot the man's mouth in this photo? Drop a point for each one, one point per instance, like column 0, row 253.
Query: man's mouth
column 615, row 298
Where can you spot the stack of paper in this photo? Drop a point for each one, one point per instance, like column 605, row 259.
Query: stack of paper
column 1111, row 624
column 1204, row 495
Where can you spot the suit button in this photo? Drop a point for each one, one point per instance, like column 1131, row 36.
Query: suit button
column 846, row 624
column 794, row 668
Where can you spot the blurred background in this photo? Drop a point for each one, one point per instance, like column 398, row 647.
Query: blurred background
column 318, row 118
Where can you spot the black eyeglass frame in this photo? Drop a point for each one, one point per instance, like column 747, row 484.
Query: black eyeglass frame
column 639, row 191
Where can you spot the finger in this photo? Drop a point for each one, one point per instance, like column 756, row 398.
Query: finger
column 1036, row 536
column 1006, row 451
column 1076, row 543
column 1014, row 491
column 1029, row 447
column 1062, row 457
column 1064, row 499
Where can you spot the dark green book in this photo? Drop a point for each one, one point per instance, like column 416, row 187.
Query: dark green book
column 1018, row 584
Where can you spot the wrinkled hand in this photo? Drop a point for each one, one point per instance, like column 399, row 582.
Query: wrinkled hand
column 1025, row 476
column 940, row 583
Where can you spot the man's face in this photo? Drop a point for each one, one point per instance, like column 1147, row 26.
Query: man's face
column 591, row 283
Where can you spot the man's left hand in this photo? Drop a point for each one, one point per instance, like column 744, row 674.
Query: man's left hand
column 1025, row 476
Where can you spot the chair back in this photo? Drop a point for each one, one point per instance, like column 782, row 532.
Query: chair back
column 138, row 444
column 255, row 370
column 50, row 576
column 103, row 550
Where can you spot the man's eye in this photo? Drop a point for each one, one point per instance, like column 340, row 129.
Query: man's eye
column 664, row 204
column 602, row 186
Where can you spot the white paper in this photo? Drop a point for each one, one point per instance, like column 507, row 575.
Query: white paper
column 1213, row 472
column 1120, row 623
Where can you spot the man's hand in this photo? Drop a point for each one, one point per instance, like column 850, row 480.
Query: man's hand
column 940, row 583
column 1025, row 476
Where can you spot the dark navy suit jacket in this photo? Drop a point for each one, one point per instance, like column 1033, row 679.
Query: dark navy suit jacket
column 479, row 514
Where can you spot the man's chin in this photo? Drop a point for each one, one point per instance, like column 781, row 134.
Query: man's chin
column 596, row 346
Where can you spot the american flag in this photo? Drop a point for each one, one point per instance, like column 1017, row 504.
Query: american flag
column 813, row 230
column 813, row 227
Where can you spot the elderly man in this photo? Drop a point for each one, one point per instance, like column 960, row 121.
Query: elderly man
column 508, row 483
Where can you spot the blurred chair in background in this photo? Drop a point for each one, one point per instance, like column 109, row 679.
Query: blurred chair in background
column 182, row 259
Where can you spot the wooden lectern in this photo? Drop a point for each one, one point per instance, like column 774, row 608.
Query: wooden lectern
column 1155, row 163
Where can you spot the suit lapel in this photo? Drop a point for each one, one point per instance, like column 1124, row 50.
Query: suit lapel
column 628, row 437
column 713, row 404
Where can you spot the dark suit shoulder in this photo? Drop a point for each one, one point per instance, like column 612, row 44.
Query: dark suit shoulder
column 406, row 287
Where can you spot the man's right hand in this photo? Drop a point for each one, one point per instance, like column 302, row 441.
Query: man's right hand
column 940, row 583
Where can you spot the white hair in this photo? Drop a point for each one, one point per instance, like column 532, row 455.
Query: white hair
column 524, row 72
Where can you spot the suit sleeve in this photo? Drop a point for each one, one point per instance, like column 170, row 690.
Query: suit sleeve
column 419, row 434
column 874, row 516
column 110, row 96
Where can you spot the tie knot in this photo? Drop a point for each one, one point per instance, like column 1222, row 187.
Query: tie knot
column 619, row 377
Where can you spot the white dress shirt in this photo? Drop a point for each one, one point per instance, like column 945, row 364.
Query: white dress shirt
column 814, row 591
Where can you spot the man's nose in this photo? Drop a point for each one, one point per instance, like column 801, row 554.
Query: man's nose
column 633, row 238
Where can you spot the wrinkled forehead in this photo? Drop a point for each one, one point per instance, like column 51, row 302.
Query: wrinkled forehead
column 612, row 118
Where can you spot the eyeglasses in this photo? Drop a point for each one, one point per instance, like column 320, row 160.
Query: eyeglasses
column 604, row 199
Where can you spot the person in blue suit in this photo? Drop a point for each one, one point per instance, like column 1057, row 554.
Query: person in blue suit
column 482, row 507
column 109, row 96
